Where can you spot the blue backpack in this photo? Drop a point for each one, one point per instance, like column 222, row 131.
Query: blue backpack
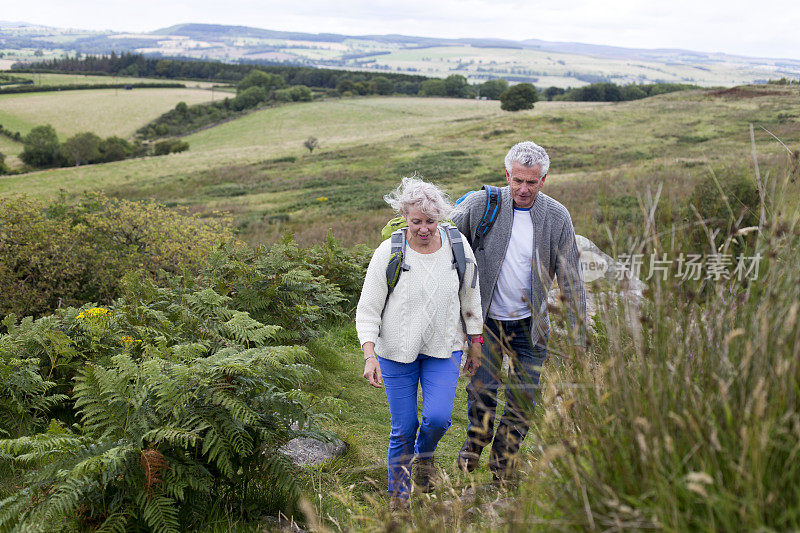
column 489, row 215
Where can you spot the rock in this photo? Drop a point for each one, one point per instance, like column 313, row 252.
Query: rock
column 281, row 524
column 305, row 451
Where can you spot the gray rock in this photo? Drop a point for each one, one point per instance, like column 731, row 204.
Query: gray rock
column 305, row 451
column 281, row 524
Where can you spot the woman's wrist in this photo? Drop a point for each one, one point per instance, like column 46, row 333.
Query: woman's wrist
column 476, row 339
column 369, row 356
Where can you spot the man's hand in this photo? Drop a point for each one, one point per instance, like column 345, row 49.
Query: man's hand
column 473, row 359
column 372, row 372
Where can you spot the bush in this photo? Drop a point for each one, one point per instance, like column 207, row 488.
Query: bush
column 519, row 97
column 63, row 254
column 3, row 168
column 42, row 148
column 249, row 98
column 115, row 149
column 259, row 78
column 181, row 407
column 492, row 89
column 170, row 146
column 81, row 149
column 299, row 289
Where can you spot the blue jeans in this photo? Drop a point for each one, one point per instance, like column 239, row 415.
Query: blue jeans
column 438, row 378
column 514, row 338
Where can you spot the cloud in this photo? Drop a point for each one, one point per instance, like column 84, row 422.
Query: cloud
column 733, row 26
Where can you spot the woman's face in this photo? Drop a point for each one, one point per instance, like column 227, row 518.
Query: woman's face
column 422, row 228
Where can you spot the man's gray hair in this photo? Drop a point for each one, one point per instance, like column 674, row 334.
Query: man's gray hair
column 528, row 154
column 427, row 197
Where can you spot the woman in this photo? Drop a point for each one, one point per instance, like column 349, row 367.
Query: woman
column 413, row 335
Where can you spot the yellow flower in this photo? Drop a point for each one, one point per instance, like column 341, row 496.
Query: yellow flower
column 127, row 339
column 322, row 199
column 94, row 312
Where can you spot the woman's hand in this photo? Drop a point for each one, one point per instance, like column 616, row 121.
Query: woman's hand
column 372, row 372
column 473, row 359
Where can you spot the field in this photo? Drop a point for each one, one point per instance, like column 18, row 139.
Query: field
column 368, row 143
column 45, row 80
column 602, row 439
column 104, row 111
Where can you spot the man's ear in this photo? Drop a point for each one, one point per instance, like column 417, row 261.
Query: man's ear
column 543, row 177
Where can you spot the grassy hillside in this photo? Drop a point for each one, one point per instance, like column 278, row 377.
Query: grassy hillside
column 104, row 112
column 257, row 168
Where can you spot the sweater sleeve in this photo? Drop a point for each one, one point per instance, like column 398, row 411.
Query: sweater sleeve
column 373, row 296
column 470, row 295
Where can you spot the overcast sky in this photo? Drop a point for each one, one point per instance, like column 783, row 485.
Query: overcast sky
column 768, row 28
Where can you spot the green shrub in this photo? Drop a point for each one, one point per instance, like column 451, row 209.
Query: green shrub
column 181, row 405
column 81, row 149
column 285, row 283
column 519, row 97
column 115, row 149
column 3, row 168
column 249, row 98
column 65, row 254
column 42, row 148
column 170, row 146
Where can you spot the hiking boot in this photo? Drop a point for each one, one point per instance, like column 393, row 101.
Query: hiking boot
column 469, row 457
column 423, row 474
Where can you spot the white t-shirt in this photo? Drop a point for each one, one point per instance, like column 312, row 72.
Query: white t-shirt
column 511, row 298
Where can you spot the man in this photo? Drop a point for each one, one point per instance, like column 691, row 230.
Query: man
column 531, row 241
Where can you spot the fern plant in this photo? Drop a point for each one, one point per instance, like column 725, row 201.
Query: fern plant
column 280, row 284
column 181, row 403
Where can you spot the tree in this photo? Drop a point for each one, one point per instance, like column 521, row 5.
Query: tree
column 3, row 167
column 433, row 88
column 41, row 147
column 552, row 92
column 250, row 97
column 115, row 149
column 492, row 89
column 519, row 97
column 382, row 85
column 82, row 148
column 311, row 143
column 456, row 86
column 259, row 78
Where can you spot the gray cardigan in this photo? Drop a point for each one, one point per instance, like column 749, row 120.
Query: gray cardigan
column 556, row 254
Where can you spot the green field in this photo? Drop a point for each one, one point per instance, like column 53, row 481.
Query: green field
column 45, row 79
column 367, row 144
column 9, row 147
column 104, row 111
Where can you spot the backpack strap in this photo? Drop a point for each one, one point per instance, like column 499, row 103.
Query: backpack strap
column 460, row 259
column 397, row 262
column 489, row 215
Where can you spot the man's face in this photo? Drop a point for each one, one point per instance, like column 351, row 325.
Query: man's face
column 525, row 183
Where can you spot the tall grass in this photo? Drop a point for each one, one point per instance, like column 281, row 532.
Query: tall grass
column 689, row 420
column 685, row 420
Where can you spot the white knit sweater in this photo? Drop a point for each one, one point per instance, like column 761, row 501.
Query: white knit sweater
column 423, row 314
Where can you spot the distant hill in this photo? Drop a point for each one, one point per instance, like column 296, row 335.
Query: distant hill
column 544, row 63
